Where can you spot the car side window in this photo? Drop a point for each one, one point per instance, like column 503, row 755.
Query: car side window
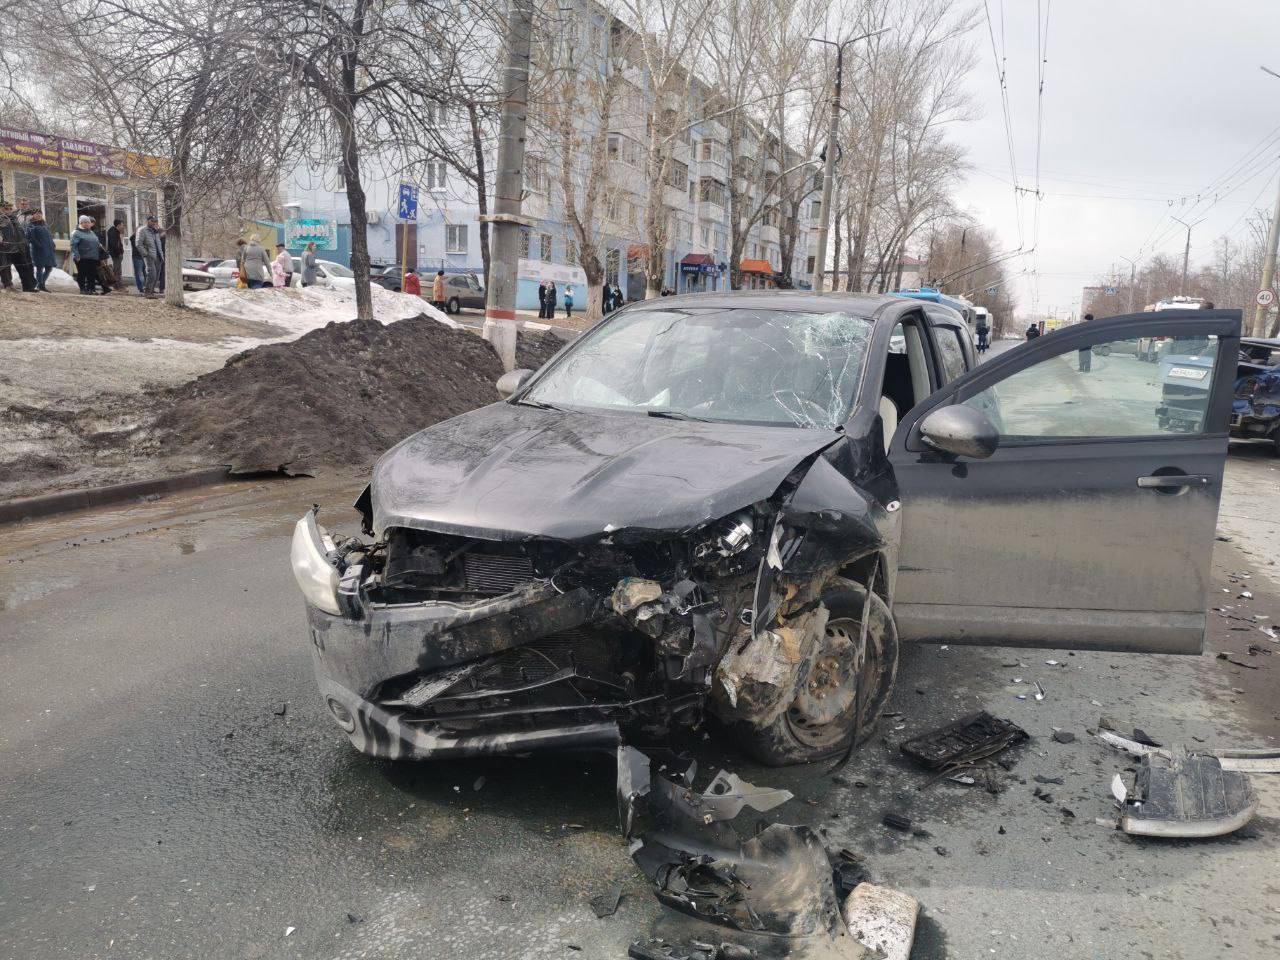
column 1107, row 390
column 951, row 353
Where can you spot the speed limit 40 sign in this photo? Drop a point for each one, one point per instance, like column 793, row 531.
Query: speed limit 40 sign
column 1266, row 298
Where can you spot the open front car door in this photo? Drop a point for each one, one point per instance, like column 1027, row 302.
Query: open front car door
column 1065, row 493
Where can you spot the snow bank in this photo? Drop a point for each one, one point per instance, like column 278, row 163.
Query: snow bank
column 61, row 282
column 301, row 309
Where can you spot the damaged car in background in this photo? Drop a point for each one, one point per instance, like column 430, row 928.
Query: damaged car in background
column 737, row 506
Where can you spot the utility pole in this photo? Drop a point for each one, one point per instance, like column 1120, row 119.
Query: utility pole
column 504, row 267
column 819, row 278
column 1268, row 270
column 1186, row 253
column 1133, row 270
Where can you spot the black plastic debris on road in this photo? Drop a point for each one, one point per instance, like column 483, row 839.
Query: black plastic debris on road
column 1187, row 796
column 964, row 743
column 606, row 904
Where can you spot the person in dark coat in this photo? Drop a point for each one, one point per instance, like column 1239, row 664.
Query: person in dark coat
column 1085, row 363
column 40, row 244
column 115, row 250
column 13, row 248
column 1033, row 331
column 551, row 300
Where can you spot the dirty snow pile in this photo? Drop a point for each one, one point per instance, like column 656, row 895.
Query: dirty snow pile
column 337, row 396
column 301, row 309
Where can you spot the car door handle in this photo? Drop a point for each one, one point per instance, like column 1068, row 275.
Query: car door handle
column 1174, row 481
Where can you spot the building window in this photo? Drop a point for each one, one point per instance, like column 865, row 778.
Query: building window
column 435, row 174
column 49, row 196
column 693, row 191
column 706, row 236
column 705, row 150
column 817, row 180
column 535, row 174
column 624, row 149
column 719, row 239
column 612, row 266
column 678, row 175
column 455, row 238
column 770, row 218
column 571, row 251
column 711, row 191
column 815, row 210
column 437, row 115
column 524, row 244
column 808, row 265
column 544, row 247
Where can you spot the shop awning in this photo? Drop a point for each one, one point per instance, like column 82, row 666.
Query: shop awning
column 756, row 266
column 698, row 263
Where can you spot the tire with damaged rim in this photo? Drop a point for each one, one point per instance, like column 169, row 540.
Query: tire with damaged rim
column 846, row 690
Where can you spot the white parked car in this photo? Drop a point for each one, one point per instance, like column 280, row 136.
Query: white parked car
column 193, row 279
column 328, row 274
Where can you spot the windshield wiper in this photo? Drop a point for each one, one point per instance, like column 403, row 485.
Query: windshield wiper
column 676, row 415
column 540, row 404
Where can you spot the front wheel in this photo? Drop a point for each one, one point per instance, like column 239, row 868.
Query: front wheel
column 846, row 690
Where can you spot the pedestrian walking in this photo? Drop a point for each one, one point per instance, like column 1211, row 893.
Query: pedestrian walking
column 40, row 245
column 437, row 290
column 606, row 300
column 568, row 301
column 13, row 248
column 139, row 263
column 1033, row 331
column 309, row 268
column 86, row 251
column 115, row 250
column 282, row 267
column 542, row 299
column 1085, row 362
column 618, row 302
column 149, row 243
column 256, row 267
column 412, row 284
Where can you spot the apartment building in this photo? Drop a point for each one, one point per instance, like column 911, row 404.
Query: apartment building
column 696, row 198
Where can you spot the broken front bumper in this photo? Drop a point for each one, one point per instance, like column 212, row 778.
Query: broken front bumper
column 354, row 658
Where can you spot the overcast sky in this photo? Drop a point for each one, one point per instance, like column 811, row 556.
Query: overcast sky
column 1145, row 101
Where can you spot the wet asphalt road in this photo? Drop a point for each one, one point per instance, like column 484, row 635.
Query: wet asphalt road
column 156, row 803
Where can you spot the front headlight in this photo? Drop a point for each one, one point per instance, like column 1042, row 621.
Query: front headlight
column 316, row 576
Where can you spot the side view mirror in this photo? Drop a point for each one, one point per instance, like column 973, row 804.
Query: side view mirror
column 512, row 380
column 960, row 430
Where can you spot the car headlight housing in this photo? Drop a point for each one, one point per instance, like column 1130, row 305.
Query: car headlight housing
column 317, row 577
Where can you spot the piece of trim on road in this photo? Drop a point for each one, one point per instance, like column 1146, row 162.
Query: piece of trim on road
column 30, row 508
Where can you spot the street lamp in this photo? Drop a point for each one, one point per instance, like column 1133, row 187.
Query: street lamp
column 829, row 168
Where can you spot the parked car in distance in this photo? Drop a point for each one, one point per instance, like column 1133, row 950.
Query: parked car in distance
column 388, row 278
column 739, row 504
column 462, row 291
column 224, row 271
column 197, row 280
column 328, row 273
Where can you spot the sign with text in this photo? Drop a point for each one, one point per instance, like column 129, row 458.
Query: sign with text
column 64, row 155
column 558, row 272
column 323, row 233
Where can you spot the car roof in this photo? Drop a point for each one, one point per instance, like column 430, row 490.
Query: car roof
column 1272, row 342
column 858, row 304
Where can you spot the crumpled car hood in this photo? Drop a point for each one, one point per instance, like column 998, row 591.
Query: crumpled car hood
column 509, row 472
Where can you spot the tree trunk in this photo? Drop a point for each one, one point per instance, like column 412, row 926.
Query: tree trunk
column 173, row 246
column 356, row 206
column 594, row 270
column 482, row 192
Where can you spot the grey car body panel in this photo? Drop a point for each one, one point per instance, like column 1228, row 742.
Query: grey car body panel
column 1056, row 526
column 511, row 472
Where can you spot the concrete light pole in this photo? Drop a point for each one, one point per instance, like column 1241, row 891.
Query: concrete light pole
column 1186, row 253
column 1269, row 260
column 1133, row 270
column 819, row 280
column 504, row 267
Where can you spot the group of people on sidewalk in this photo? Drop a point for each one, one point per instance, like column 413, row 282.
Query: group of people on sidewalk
column 27, row 248
column 257, row 269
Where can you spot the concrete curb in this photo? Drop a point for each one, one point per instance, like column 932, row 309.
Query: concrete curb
column 28, row 508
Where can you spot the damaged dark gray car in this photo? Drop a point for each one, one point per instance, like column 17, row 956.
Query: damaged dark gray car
column 739, row 505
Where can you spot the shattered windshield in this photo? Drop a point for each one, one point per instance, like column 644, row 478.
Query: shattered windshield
column 739, row 365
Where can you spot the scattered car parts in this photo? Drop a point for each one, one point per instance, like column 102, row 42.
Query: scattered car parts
column 1185, row 795
column 963, row 744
